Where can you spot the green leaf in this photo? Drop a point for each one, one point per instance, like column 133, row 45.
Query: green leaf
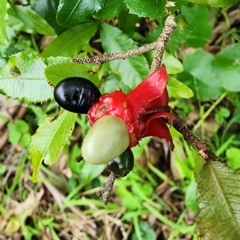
column 153, row 34
column 154, row 8
column 22, row 126
column 226, row 67
column 111, row 9
column 190, row 196
column 178, row 38
column 180, row 34
column 32, row 20
column 15, row 23
column 3, row 18
column 129, row 201
column 216, row 3
column 146, row 232
column 56, row 73
column 48, row 142
column 198, row 65
column 86, row 171
column 233, row 156
column 198, row 18
column 25, row 140
column 138, row 150
column 218, row 198
column 71, row 41
column 132, row 70
column 3, row 168
column 173, row 65
column 178, row 90
column 234, row 119
column 23, row 78
column 19, row 132
column 47, row 9
column 71, row 13
column 90, row 171
column 147, row 189
column 110, row 84
column 201, row 90
column 127, row 22
column 221, row 115
column 14, row 133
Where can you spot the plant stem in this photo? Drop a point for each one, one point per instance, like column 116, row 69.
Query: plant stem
column 203, row 149
column 158, row 45
column 107, row 189
column 162, row 41
column 100, row 59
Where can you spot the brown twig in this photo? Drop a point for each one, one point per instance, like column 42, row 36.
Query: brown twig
column 100, row 59
column 107, row 189
column 159, row 45
column 162, row 41
column 203, row 149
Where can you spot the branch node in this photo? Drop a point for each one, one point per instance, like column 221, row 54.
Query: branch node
column 203, row 154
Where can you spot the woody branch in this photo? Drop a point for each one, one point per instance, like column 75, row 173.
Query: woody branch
column 159, row 46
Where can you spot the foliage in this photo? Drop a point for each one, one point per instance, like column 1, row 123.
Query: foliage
column 222, row 197
column 49, row 140
column 218, row 3
column 19, row 133
column 30, row 68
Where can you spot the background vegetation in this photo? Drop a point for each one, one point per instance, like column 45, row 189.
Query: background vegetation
column 168, row 195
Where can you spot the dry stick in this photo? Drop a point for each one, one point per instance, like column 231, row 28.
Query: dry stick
column 162, row 41
column 107, row 189
column 203, row 149
column 159, row 45
column 100, row 59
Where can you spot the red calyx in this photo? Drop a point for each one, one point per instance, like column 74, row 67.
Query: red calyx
column 143, row 109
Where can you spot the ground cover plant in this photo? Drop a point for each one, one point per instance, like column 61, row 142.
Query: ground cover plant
column 173, row 172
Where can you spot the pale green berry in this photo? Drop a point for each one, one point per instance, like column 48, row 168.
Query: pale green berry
column 107, row 139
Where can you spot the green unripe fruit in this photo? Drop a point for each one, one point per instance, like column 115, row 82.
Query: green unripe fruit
column 107, row 139
column 123, row 164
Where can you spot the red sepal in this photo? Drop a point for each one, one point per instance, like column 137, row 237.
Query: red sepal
column 149, row 89
column 158, row 128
